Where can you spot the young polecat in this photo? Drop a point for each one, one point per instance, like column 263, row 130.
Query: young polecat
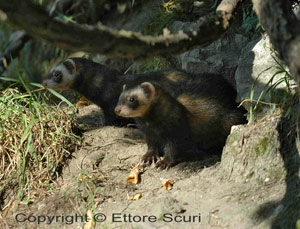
column 193, row 124
column 102, row 85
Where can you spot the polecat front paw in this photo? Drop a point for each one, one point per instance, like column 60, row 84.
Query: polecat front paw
column 150, row 157
column 163, row 164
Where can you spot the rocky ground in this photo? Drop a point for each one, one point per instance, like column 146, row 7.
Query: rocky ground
column 206, row 194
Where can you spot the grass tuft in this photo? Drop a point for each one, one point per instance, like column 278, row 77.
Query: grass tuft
column 279, row 78
column 36, row 139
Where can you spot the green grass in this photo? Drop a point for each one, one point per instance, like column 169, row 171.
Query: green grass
column 37, row 130
column 271, row 90
column 36, row 138
column 87, row 187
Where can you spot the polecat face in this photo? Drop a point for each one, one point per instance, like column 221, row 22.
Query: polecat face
column 135, row 102
column 61, row 76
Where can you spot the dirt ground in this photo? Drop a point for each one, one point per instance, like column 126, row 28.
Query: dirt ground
column 201, row 197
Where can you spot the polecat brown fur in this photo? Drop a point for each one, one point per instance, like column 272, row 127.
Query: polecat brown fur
column 102, row 85
column 193, row 123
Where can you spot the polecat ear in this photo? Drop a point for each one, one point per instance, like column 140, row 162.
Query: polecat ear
column 124, row 87
column 148, row 88
column 70, row 65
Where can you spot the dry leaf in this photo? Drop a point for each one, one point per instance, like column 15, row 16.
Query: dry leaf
column 134, row 176
column 84, row 177
column 90, row 224
column 167, row 184
column 136, row 197
column 82, row 102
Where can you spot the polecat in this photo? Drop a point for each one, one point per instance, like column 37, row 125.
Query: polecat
column 194, row 123
column 103, row 86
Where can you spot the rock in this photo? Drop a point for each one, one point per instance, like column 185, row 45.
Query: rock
column 241, row 61
column 221, row 56
column 176, row 26
column 256, row 68
column 261, row 156
column 252, row 153
column 94, row 158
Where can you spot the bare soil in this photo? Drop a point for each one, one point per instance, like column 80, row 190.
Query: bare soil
column 202, row 195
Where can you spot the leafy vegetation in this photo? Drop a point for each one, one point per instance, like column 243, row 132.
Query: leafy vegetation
column 36, row 138
column 280, row 77
column 250, row 22
column 88, row 189
column 156, row 26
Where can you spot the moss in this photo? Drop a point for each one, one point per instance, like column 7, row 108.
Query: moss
column 261, row 147
column 276, row 173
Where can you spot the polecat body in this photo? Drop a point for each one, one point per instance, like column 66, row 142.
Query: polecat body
column 102, row 85
column 194, row 122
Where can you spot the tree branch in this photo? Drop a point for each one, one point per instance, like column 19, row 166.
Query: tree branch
column 19, row 38
column 281, row 24
column 103, row 40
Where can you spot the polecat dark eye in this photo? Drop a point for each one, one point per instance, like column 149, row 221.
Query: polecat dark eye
column 57, row 77
column 131, row 99
column 56, row 74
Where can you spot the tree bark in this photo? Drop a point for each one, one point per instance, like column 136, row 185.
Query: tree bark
column 281, row 24
column 103, row 40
